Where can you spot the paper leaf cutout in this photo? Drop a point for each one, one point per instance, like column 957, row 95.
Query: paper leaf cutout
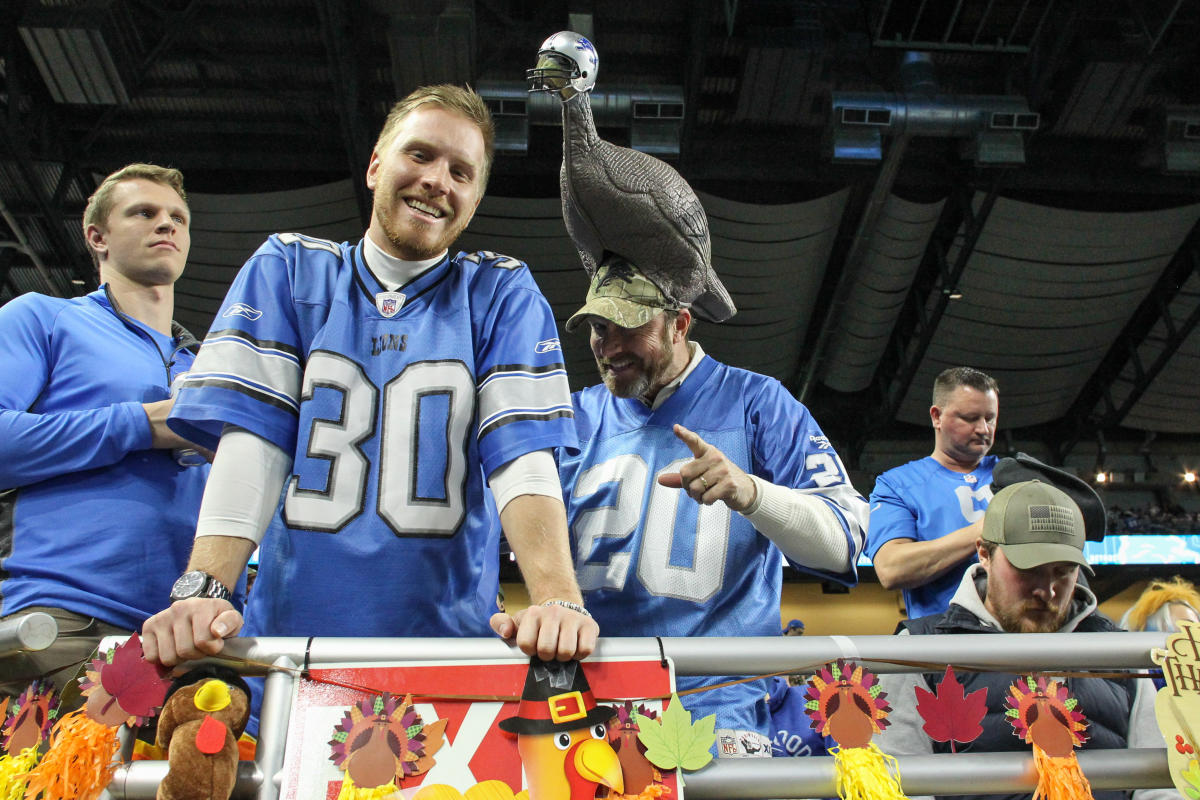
column 1192, row 776
column 950, row 714
column 675, row 741
column 845, row 702
column 1045, row 713
column 138, row 686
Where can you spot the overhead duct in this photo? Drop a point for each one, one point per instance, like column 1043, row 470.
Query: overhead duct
column 86, row 53
column 992, row 127
column 652, row 114
column 1175, row 147
column 429, row 42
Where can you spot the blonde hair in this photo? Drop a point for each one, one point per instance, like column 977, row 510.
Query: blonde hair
column 1151, row 611
column 461, row 100
column 100, row 204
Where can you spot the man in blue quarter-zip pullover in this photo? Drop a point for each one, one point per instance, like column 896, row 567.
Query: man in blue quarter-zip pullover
column 96, row 512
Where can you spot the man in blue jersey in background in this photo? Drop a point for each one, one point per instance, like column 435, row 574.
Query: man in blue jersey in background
column 927, row 514
column 692, row 478
column 382, row 386
column 99, row 513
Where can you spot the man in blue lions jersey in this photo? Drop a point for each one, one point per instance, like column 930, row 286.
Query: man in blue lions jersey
column 927, row 514
column 381, row 387
column 757, row 477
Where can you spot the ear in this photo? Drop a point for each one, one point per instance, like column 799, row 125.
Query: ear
column 683, row 321
column 373, row 170
column 96, row 240
column 935, row 416
column 982, row 552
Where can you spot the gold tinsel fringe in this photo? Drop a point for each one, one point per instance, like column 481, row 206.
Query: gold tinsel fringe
column 866, row 773
column 351, row 792
column 13, row 771
column 80, row 762
column 1059, row 778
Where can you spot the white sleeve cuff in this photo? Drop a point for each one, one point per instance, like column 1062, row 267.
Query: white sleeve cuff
column 532, row 473
column 243, row 488
column 801, row 525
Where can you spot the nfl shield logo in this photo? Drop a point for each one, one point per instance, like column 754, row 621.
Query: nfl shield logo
column 389, row 303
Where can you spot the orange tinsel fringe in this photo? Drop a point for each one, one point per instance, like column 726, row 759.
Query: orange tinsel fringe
column 1059, row 778
column 80, row 762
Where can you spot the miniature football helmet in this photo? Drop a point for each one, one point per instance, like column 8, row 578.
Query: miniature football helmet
column 565, row 59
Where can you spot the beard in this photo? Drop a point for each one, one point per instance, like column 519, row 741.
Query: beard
column 1033, row 618
column 413, row 239
column 651, row 376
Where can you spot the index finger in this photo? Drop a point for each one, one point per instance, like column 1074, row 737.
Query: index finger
column 692, row 440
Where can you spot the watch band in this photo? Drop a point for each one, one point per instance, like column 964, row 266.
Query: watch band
column 215, row 589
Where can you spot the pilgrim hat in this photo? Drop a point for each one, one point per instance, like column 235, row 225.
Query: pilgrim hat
column 556, row 698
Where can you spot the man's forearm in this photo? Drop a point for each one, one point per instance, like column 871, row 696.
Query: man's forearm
column 904, row 564
column 223, row 557
column 536, row 529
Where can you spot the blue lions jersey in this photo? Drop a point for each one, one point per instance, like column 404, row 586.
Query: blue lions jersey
column 653, row 562
column 922, row 500
column 396, row 406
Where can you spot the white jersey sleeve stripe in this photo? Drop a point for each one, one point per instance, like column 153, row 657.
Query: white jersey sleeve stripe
column 522, row 392
column 263, row 394
column 270, row 370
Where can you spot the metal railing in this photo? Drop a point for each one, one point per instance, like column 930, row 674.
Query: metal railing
column 945, row 774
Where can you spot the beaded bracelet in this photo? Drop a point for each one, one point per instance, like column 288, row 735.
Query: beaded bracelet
column 576, row 607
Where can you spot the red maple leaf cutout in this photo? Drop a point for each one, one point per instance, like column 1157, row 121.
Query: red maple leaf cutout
column 951, row 715
column 138, row 685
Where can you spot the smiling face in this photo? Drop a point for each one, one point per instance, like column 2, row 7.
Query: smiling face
column 638, row 362
column 427, row 179
column 964, row 427
column 145, row 239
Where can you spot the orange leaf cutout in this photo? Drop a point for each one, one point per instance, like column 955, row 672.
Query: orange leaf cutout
column 950, row 714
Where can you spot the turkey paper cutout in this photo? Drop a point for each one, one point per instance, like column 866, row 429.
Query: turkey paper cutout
column 623, row 735
column 120, row 688
column 1045, row 714
column 29, row 718
column 1177, row 707
column 27, row 724
column 381, row 740
column 846, row 703
column 950, row 714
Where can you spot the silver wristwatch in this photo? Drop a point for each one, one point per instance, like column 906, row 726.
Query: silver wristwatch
column 196, row 583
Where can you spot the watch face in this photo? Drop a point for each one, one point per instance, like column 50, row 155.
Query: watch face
column 189, row 585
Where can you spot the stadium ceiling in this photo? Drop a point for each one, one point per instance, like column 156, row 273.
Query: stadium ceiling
column 893, row 187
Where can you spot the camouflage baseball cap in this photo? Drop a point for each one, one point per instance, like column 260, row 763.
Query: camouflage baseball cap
column 622, row 294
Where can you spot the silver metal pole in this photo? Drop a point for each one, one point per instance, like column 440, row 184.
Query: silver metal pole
column 948, row 774
column 755, row 779
column 140, row 780
column 1014, row 652
column 273, row 722
column 34, row 631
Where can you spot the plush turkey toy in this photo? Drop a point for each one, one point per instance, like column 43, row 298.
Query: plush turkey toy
column 204, row 714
